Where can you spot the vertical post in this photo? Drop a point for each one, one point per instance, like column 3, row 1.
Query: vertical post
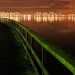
column 42, row 57
column 26, row 44
column 26, row 35
column 31, row 41
column 18, row 28
column 42, row 54
column 22, row 31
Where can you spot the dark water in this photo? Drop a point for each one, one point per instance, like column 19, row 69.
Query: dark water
column 59, row 33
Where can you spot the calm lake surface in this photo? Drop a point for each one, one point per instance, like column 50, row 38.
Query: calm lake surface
column 56, row 30
column 60, row 32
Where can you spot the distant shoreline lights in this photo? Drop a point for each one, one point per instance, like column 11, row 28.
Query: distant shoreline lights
column 38, row 16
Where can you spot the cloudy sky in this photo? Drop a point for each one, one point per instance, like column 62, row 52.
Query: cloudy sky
column 53, row 4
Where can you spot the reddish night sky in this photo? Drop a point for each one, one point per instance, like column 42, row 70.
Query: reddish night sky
column 52, row 4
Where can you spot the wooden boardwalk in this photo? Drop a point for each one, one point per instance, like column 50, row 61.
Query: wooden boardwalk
column 11, row 61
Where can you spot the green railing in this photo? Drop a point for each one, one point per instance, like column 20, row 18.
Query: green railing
column 24, row 33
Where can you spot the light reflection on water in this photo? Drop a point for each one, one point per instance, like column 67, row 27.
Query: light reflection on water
column 43, row 18
column 66, row 28
column 58, row 30
column 38, row 17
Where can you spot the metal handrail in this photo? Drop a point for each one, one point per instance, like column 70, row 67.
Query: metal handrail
column 58, row 54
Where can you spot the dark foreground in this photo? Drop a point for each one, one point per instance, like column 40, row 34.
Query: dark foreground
column 11, row 61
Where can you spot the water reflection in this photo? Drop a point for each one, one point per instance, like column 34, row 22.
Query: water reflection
column 45, row 18
column 56, row 28
column 27, row 17
column 38, row 17
column 48, row 18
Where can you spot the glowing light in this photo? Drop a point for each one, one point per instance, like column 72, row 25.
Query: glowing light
column 38, row 19
column 29, row 17
column 51, row 19
column 24, row 17
column 38, row 16
column 45, row 19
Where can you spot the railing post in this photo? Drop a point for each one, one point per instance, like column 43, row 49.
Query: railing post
column 26, row 44
column 26, row 35
column 42, row 55
column 31, row 41
column 42, row 58
column 18, row 28
column 22, row 31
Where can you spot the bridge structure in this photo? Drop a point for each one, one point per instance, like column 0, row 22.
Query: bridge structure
column 26, row 53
